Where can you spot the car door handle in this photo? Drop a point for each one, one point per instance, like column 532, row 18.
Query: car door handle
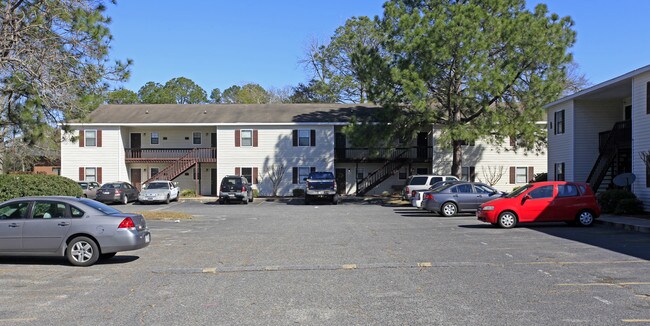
column 63, row 224
column 14, row 225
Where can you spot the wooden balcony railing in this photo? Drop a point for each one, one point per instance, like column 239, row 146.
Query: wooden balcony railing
column 203, row 155
column 381, row 154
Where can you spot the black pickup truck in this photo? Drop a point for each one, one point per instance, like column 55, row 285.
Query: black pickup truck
column 321, row 185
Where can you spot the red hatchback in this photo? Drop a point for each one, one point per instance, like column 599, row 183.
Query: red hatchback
column 551, row 201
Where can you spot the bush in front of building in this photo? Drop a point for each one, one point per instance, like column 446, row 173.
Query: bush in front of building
column 299, row 192
column 619, row 201
column 21, row 185
column 188, row 193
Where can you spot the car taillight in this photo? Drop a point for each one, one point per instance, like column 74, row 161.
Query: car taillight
column 334, row 185
column 428, row 196
column 117, row 191
column 243, row 189
column 127, row 223
column 408, row 190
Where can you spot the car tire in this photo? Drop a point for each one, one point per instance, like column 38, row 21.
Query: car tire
column 585, row 218
column 82, row 251
column 107, row 256
column 167, row 200
column 124, row 200
column 507, row 220
column 448, row 209
column 85, row 196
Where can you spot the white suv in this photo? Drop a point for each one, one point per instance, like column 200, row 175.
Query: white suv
column 422, row 182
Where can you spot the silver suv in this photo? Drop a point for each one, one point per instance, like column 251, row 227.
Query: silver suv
column 235, row 188
column 415, row 183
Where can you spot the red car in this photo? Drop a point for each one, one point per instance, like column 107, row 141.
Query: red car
column 551, row 201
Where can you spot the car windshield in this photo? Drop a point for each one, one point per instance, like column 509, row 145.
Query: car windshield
column 101, row 207
column 83, row 186
column 156, row 185
column 519, row 191
column 321, row 176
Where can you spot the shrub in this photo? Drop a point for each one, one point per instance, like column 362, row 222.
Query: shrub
column 629, row 206
column 610, row 199
column 188, row 193
column 256, row 193
column 298, row 192
column 20, row 185
column 385, row 194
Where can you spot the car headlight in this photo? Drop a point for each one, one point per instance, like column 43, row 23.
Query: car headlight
column 488, row 208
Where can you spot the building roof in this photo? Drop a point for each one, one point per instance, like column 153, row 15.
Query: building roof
column 615, row 88
column 124, row 114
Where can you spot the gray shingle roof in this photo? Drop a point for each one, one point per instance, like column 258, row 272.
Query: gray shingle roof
column 230, row 113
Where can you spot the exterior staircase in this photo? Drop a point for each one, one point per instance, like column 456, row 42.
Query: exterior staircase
column 178, row 167
column 380, row 175
column 613, row 157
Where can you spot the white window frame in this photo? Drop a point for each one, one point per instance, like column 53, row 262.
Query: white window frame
column 94, row 138
column 92, row 175
column 200, row 138
column 302, row 136
column 242, row 138
column 518, row 175
column 563, row 167
column 151, row 138
column 303, row 172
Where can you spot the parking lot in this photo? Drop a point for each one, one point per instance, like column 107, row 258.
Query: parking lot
column 273, row 263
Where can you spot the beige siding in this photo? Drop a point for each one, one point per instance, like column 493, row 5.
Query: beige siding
column 640, row 136
column 110, row 157
column 275, row 147
column 561, row 146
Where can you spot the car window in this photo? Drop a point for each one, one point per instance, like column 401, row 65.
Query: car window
column 321, row 176
column 157, row 185
column 519, row 191
column 583, row 189
column 484, row 189
column 541, row 192
column 111, row 186
column 464, row 189
column 418, row 181
column 567, row 190
column 15, row 210
column 100, row 207
column 48, row 210
column 76, row 212
column 83, row 185
column 232, row 181
column 435, row 179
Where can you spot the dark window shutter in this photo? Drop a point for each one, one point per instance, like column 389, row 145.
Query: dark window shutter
column 312, row 169
column 255, row 138
column 295, row 138
column 312, row 137
column 255, row 173
column 512, row 141
column 82, row 174
column 237, row 138
column 99, row 138
column 237, row 171
column 647, row 98
column 512, row 174
column 81, row 138
column 295, row 175
column 531, row 173
column 99, row 175
column 472, row 173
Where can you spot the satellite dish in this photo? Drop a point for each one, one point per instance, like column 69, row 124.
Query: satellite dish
column 624, row 179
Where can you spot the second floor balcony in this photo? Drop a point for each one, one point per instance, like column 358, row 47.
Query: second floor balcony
column 378, row 155
column 161, row 155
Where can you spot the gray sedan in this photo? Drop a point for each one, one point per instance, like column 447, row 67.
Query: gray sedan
column 458, row 197
column 80, row 229
column 120, row 192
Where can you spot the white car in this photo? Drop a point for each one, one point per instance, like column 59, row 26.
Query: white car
column 160, row 191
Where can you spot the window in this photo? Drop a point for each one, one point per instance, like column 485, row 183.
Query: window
column 47, row 210
column 484, row 189
column 196, row 174
column 247, row 138
column 559, row 122
column 303, row 137
column 567, row 190
column 155, row 140
column 90, row 138
column 467, row 173
column 559, row 171
column 248, row 173
column 464, row 189
column 521, row 175
column 434, row 180
column 91, row 174
column 422, row 171
column 76, row 212
column 418, row 181
column 360, row 173
column 153, row 171
column 303, row 173
column 541, row 192
column 196, row 138
column 15, row 210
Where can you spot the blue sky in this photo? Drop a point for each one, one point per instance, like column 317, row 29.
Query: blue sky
column 220, row 43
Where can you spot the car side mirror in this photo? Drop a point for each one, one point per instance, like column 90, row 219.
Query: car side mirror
column 527, row 197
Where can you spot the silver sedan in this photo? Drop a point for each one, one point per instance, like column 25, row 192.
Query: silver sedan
column 80, row 229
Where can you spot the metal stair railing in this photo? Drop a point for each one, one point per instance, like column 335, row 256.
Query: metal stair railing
column 619, row 134
column 378, row 176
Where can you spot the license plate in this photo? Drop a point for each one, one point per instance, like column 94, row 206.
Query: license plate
column 106, row 192
column 149, row 198
column 147, row 238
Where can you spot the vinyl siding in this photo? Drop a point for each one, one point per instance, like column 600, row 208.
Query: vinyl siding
column 561, row 146
column 110, row 157
column 275, row 146
column 640, row 136
column 591, row 118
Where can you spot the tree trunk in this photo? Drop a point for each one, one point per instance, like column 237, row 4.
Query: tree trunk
column 457, row 158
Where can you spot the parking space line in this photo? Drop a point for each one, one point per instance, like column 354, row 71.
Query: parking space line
column 635, row 320
column 349, row 266
column 424, row 264
column 581, row 262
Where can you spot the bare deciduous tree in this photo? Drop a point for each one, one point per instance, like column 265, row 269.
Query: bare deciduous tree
column 492, row 174
column 275, row 174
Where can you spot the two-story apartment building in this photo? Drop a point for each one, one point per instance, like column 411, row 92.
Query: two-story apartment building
column 197, row 145
column 601, row 132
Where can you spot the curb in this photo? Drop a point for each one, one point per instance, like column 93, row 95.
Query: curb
column 626, row 227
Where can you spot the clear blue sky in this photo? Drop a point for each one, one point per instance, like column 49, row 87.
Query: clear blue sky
column 220, row 43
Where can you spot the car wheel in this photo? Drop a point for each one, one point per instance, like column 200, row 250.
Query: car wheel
column 124, row 200
column 448, row 209
column 507, row 220
column 585, row 218
column 82, row 251
column 107, row 256
column 245, row 200
column 167, row 200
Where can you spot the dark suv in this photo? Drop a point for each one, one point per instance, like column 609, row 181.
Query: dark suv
column 235, row 188
column 321, row 185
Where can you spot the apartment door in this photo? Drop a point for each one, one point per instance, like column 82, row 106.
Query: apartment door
column 423, row 144
column 213, row 144
column 339, row 145
column 340, row 181
column 136, row 144
column 136, row 178
column 213, row 182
